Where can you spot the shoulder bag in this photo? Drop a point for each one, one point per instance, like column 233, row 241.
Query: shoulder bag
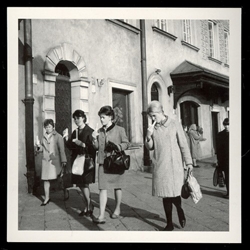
column 116, row 163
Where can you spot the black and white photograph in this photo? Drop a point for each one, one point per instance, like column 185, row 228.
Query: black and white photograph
column 126, row 125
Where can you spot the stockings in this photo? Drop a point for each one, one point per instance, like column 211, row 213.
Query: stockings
column 167, row 204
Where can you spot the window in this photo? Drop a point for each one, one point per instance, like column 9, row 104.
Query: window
column 154, row 93
column 213, row 39
column 186, row 24
column 121, row 109
column 162, row 24
column 226, row 40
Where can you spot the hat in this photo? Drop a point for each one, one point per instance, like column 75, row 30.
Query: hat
column 226, row 121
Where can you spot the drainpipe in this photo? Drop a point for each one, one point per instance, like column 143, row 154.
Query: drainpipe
column 146, row 156
column 29, row 101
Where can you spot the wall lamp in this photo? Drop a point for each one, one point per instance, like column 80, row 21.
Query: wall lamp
column 96, row 82
column 171, row 89
column 157, row 71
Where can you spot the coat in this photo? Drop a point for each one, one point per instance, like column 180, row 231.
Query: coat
column 85, row 136
column 195, row 138
column 53, row 156
column 170, row 150
column 222, row 143
column 117, row 135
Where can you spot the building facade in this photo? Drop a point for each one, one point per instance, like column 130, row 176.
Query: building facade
column 85, row 64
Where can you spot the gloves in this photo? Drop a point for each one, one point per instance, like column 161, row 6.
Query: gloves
column 110, row 146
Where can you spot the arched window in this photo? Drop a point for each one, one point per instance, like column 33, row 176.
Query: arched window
column 154, row 93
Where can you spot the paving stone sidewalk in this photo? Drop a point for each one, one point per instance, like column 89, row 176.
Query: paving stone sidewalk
column 140, row 210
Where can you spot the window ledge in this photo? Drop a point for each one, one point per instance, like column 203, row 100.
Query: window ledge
column 214, row 60
column 125, row 25
column 165, row 33
column 226, row 65
column 190, row 45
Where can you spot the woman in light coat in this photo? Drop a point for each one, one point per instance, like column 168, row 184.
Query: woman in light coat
column 195, row 147
column 54, row 158
column 110, row 132
column 166, row 137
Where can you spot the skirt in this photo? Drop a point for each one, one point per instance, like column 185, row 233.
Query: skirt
column 110, row 181
column 83, row 180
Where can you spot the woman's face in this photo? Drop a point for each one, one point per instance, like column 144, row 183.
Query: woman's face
column 105, row 119
column 156, row 116
column 79, row 121
column 49, row 128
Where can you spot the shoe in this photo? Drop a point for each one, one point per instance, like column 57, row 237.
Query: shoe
column 66, row 195
column 181, row 216
column 169, row 227
column 44, row 204
column 82, row 213
column 197, row 166
column 115, row 216
column 98, row 221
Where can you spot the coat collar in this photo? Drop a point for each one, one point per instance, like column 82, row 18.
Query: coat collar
column 163, row 123
column 109, row 128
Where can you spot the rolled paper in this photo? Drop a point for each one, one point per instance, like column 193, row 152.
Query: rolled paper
column 76, row 134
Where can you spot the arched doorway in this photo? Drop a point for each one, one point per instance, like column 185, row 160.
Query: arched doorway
column 189, row 113
column 65, row 87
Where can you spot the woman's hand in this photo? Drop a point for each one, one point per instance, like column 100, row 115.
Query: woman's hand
column 150, row 131
column 95, row 132
column 190, row 167
column 79, row 143
column 66, row 134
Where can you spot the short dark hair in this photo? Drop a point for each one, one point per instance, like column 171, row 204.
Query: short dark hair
column 226, row 121
column 107, row 110
column 80, row 113
column 47, row 122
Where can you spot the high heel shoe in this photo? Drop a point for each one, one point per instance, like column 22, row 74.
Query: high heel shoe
column 169, row 227
column 66, row 195
column 44, row 204
column 87, row 213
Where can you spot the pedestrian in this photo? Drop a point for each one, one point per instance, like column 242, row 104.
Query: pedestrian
column 166, row 137
column 80, row 143
column 185, row 128
column 109, row 132
column 195, row 147
column 222, row 142
column 54, row 157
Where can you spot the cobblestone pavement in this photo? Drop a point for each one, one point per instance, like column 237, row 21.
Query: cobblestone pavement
column 140, row 210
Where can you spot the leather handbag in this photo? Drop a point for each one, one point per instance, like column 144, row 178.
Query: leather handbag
column 116, row 163
column 64, row 181
column 215, row 177
column 185, row 191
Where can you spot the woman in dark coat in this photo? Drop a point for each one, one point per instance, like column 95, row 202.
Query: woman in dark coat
column 222, row 142
column 81, row 143
column 115, row 134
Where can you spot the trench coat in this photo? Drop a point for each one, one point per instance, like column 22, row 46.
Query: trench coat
column 195, row 138
column 170, row 150
column 53, row 155
column 117, row 135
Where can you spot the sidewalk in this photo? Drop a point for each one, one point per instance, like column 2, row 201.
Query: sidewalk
column 140, row 210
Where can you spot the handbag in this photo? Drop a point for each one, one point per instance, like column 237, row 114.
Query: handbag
column 78, row 165
column 89, row 164
column 116, row 163
column 215, row 177
column 185, row 191
column 194, row 187
column 218, row 177
column 64, row 181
